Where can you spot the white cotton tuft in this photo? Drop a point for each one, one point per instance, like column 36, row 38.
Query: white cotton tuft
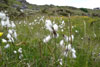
column 15, row 35
column 11, row 39
column 20, row 56
column 76, row 31
column 2, row 15
column 60, row 61
column 10, row 31
column 73, row 50
column 7, row 46
column 56, row 35
column 15, row 51
column 48, row 25
column 20, row 50
column 61, row 42
column 12, row 24
column 62, row 30
column 66, row 38
column 3, row 23
column 4, row 41
column 55, row 26
column 73, row 55
column 9, row 36
column 45, row 40
column 63, row 22
column 72, row 36
column 7, row 22
column 65, row 54
column 69, row 46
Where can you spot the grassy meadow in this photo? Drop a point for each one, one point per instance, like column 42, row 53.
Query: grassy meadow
column 30, row 50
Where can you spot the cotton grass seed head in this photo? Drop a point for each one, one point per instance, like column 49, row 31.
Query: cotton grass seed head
column 45, row 40
column 7, row 46
column 55, row 26
column 48, row 25
column 73, row 55
column 73, row 50
column 69, row 47
column 20, row 56
column 15, row 51
column 4, row 41
column 20, row 50
column 61, row 42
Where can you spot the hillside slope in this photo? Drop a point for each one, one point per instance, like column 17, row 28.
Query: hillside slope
column 51, row 10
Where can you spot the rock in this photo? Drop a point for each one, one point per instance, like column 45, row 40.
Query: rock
column 98, row 8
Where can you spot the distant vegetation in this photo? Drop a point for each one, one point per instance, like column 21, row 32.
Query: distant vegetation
column 51, row 10
column 84, row 9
